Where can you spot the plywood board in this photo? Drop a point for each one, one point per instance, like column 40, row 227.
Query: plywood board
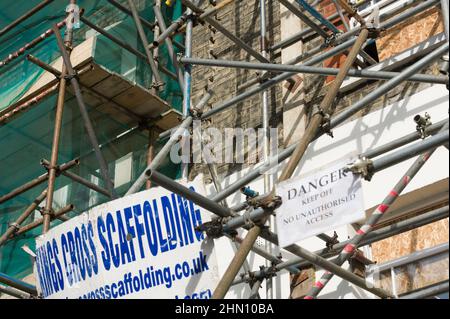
column 169, row 120
column 411, row 32
column 119, row 116
column 94, row 76
column 411, row 241
column 112, row 86
column 142, row 102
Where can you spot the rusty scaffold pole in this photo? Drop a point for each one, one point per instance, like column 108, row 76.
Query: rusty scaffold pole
column 52, row 168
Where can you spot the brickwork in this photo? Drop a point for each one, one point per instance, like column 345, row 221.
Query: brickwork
column 242, row 18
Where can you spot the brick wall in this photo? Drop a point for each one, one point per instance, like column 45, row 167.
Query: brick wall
column 242, row 18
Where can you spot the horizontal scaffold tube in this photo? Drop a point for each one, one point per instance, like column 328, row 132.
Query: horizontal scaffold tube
column 432, row 129
column 428, row 292
column 40, row 221
column 345, row 40
column 377, row 75
column 14, row 292
column 80, row 180
column 284, row 76
column 410, row 151
column 37, row 181
column 18, row 284
column 389, row 85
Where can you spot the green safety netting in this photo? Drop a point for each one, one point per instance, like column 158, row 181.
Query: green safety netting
column 27, row 138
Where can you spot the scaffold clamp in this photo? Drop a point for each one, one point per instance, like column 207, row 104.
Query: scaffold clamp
column 15, row 225
column 268, row 202
column 373, row 23
column 333, row 241
column 423, row 122
column 213, row 229
column 69, row 77
column 195, row 112
column 326, row 122
column 362, row 166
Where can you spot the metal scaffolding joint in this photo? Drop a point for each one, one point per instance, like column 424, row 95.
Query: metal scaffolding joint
column 196, row 112
column 157, row 85
column 268, row 203
column 423, row 122
column 263, row 273
column 213, row 229
column 248, row 219
column 374, row 33
column 325, row 126
column 15, row 225
column 248, row 192
column 331, row 39
column 332, row 241
column 44, row 211
column 362, row 166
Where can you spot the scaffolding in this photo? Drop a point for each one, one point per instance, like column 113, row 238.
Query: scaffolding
column 163, row 71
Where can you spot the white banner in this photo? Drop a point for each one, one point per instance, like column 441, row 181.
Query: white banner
column 318, row 202
column 140, row 246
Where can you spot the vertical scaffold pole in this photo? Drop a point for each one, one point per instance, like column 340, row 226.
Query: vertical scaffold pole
column 52, row 170
column 169, row 44
column 187, row 79
column 265, row 127
column 444, row 12
column 151, row 130
column 150, row 59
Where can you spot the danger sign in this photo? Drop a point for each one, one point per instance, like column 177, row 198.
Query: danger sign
column 318, row 202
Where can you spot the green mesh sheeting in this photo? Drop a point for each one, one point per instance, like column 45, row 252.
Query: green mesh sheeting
column 27, row 138
column 17, row 76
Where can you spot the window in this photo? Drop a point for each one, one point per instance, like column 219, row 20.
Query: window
column 122, row 170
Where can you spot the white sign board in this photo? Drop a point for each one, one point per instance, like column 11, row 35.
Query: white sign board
column 318, row 202
column 140, row 246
